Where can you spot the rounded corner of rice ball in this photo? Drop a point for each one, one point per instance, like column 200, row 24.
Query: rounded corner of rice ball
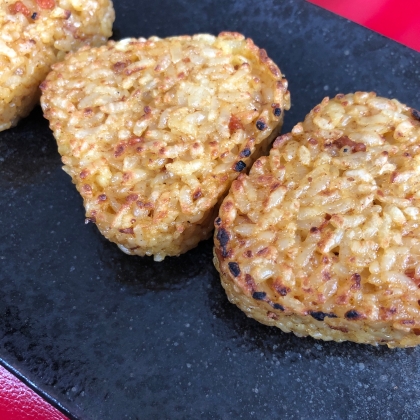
column 153, row 131
column 35, row 35
column 322, row 238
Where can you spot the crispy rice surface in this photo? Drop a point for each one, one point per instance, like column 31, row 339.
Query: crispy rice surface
column 34, row 34
column 153, row 132
column 323, row 237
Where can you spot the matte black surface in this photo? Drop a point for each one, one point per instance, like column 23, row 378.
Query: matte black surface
column 111, row 336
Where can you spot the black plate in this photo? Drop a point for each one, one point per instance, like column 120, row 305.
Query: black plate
column 108, row 336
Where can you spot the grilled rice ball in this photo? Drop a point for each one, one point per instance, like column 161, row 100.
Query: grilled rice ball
column 323, row 237
column 34, row 34
column 153, row 132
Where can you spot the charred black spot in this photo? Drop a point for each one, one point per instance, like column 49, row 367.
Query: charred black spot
column 34, row 16
column 277, row 112
column 218, row 221
column 259, row 295
column 415, row 114
column 245, row 153
column 239, row 166
column 234, row 269
column 352, row 314
column 278, row 306
column 320, row 316
column 261, row 125
column 223, row 238
column 314, row 229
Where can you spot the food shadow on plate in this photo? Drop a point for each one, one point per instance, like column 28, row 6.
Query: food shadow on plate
column 253, row 336
column 28, row 152
column 140, row 275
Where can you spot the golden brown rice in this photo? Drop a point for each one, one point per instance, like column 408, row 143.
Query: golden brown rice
column 323, row 237
column 34, row 34
column 153, row 132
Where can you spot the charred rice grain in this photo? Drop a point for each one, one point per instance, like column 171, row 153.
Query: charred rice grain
column 223, row 237
column 320, row 316
column 352, row 314
column 261, row 125
column 259, row 295
column 240, row 166
column 234, row 269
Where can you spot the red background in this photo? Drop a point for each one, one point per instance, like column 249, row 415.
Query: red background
column 396, row 19
column 18, row 402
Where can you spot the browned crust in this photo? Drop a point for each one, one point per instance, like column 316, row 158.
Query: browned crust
column 196, row 163
column 339, row 290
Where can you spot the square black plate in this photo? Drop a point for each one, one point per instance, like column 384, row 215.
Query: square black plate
column 108, row 336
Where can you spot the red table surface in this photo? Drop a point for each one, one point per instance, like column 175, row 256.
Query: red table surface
column 18, row 402
column 395, row 19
